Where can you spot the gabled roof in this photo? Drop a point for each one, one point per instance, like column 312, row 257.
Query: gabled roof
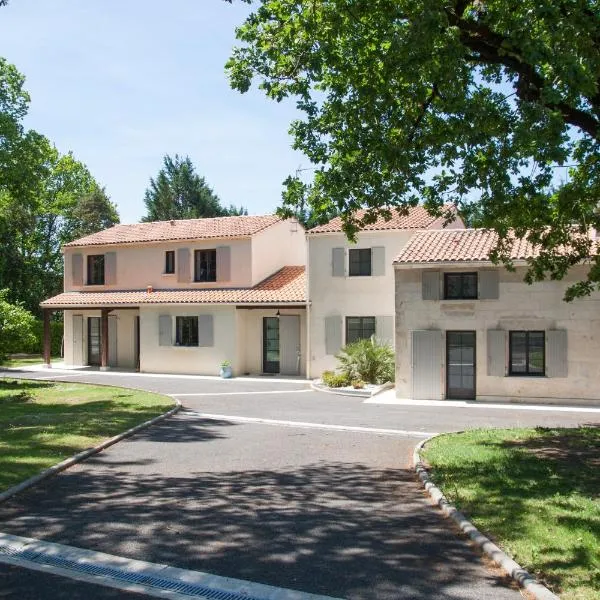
column 286, row 286
column 416, row 218
column 183, row 229
column 458, row 246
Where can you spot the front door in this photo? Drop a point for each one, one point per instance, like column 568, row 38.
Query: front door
column 460, row 365
column 270, row 345
column 93, row 341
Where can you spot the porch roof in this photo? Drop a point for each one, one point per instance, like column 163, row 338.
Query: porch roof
column 286, row 286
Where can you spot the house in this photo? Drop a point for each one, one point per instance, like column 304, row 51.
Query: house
column 466, row 328
column 183, row 296
column 350, row 285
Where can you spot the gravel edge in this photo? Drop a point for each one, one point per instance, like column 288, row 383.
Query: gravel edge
column 518, row 573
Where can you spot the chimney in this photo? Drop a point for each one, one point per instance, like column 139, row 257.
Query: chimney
column 172, row 222
column 149, row 289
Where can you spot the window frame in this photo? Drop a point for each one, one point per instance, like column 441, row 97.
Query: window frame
column 92, row 272
column 198, row 261
column 361, row 262
column 362, row 320
column 169, row 262
column 527, row 372
column 463, row 275
column 179, row 332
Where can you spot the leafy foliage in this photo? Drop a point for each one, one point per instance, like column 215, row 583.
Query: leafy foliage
column 16, row 326
column 178, row 192
column 475, row 103
column 368, row 361
column 334, row 380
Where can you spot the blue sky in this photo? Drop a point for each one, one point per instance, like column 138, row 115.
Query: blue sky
column 122, row 82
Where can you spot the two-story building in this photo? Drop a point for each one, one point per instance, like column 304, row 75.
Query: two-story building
column 350, row 285
column 466, row 328
column 183, row 296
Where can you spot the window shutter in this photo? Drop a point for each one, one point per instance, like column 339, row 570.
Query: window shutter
column 384, row 329
column 183, row 265
column 338, row 260
column 110, row 268
column 206, row 335
column 224, row 263
column 556, row 353
column 496, row 352
column 77, row 268
column 378, row 261
column 333, row 334
column 430, row 281
column 488, row 284
column 165, row 330
column 426, row 354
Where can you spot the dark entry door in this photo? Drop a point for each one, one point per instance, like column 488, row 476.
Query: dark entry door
column 270, row 345
column 460, row 365
column 93, row 341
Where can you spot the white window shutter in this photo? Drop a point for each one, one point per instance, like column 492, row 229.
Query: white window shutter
column 165, row 330
column 333, row 334
column 426, row 369
column 110, row 268
column 488, row 284
column 183, row 265
column 430, row 281
column 338, row 262
column 77, row 268
column 206, row 335
column 384, row 329
column 496, row 352
column 556, row 353
column 378, row 261
column 223, row 263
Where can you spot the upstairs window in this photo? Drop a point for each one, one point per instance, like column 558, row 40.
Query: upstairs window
column 527, row 351
column 205, row 265
column 170, row 261
column 359, row 262
column 460, row 286
column 95, row 269
column 186, row 331
column 359, row 328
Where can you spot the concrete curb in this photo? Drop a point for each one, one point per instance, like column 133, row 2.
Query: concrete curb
column 81, row 456
column 319, row 387
column 516, row 571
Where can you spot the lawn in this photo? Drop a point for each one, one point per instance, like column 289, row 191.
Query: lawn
column 26, row 361
column 42, row 423
column 535, row 492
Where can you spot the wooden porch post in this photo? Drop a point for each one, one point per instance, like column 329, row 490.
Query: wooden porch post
column 47, row 338
column 104, row 340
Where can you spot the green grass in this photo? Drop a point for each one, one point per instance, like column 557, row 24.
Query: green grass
column 26, row 362
column 42, row 423
column 536, row 492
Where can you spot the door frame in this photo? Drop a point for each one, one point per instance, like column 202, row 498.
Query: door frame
column 89, row 341
column 448, row 395
column 265, row 363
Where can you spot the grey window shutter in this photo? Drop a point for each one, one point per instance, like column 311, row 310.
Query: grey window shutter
column 556, row 353
column 384, row 329
column 165, row 330
column 77, row 268
column 206, row 336
column 333, row 334
column 430, row 281
column 110, row 268
column 378, row 260
column 223, row 263
column 338, row 262
column 426, row 364
column 488, row 284
column 183, row 265
column 496, row 352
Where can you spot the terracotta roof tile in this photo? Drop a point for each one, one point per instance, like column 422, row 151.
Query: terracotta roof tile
column 417, row 218
column 183, row 229
column 458, row 245
column 288, row 285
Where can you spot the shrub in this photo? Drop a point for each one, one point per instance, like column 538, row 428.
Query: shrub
column 358, row 384
column 334, row 380
column 367, row 360
column 16, row 327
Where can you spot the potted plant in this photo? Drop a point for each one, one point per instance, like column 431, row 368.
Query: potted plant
column 225, row 371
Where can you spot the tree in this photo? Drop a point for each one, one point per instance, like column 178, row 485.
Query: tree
column 178, row 192
column 477, row 103
column 92, row 212
column 16, row 327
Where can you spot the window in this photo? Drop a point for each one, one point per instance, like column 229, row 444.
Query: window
column 186, row 333
column 205, row 265
column 359, row 328
column 95, row 269
column 460, row 286
column 527, row 353
column 360, row 262
column 170, row 261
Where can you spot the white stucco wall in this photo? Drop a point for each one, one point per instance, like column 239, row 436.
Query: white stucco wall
column 519, row 307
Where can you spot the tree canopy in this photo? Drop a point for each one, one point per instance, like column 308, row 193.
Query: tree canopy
column 490, row 105
column 178, row 192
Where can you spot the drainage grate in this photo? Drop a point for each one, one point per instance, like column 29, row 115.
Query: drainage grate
column 172, row 585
